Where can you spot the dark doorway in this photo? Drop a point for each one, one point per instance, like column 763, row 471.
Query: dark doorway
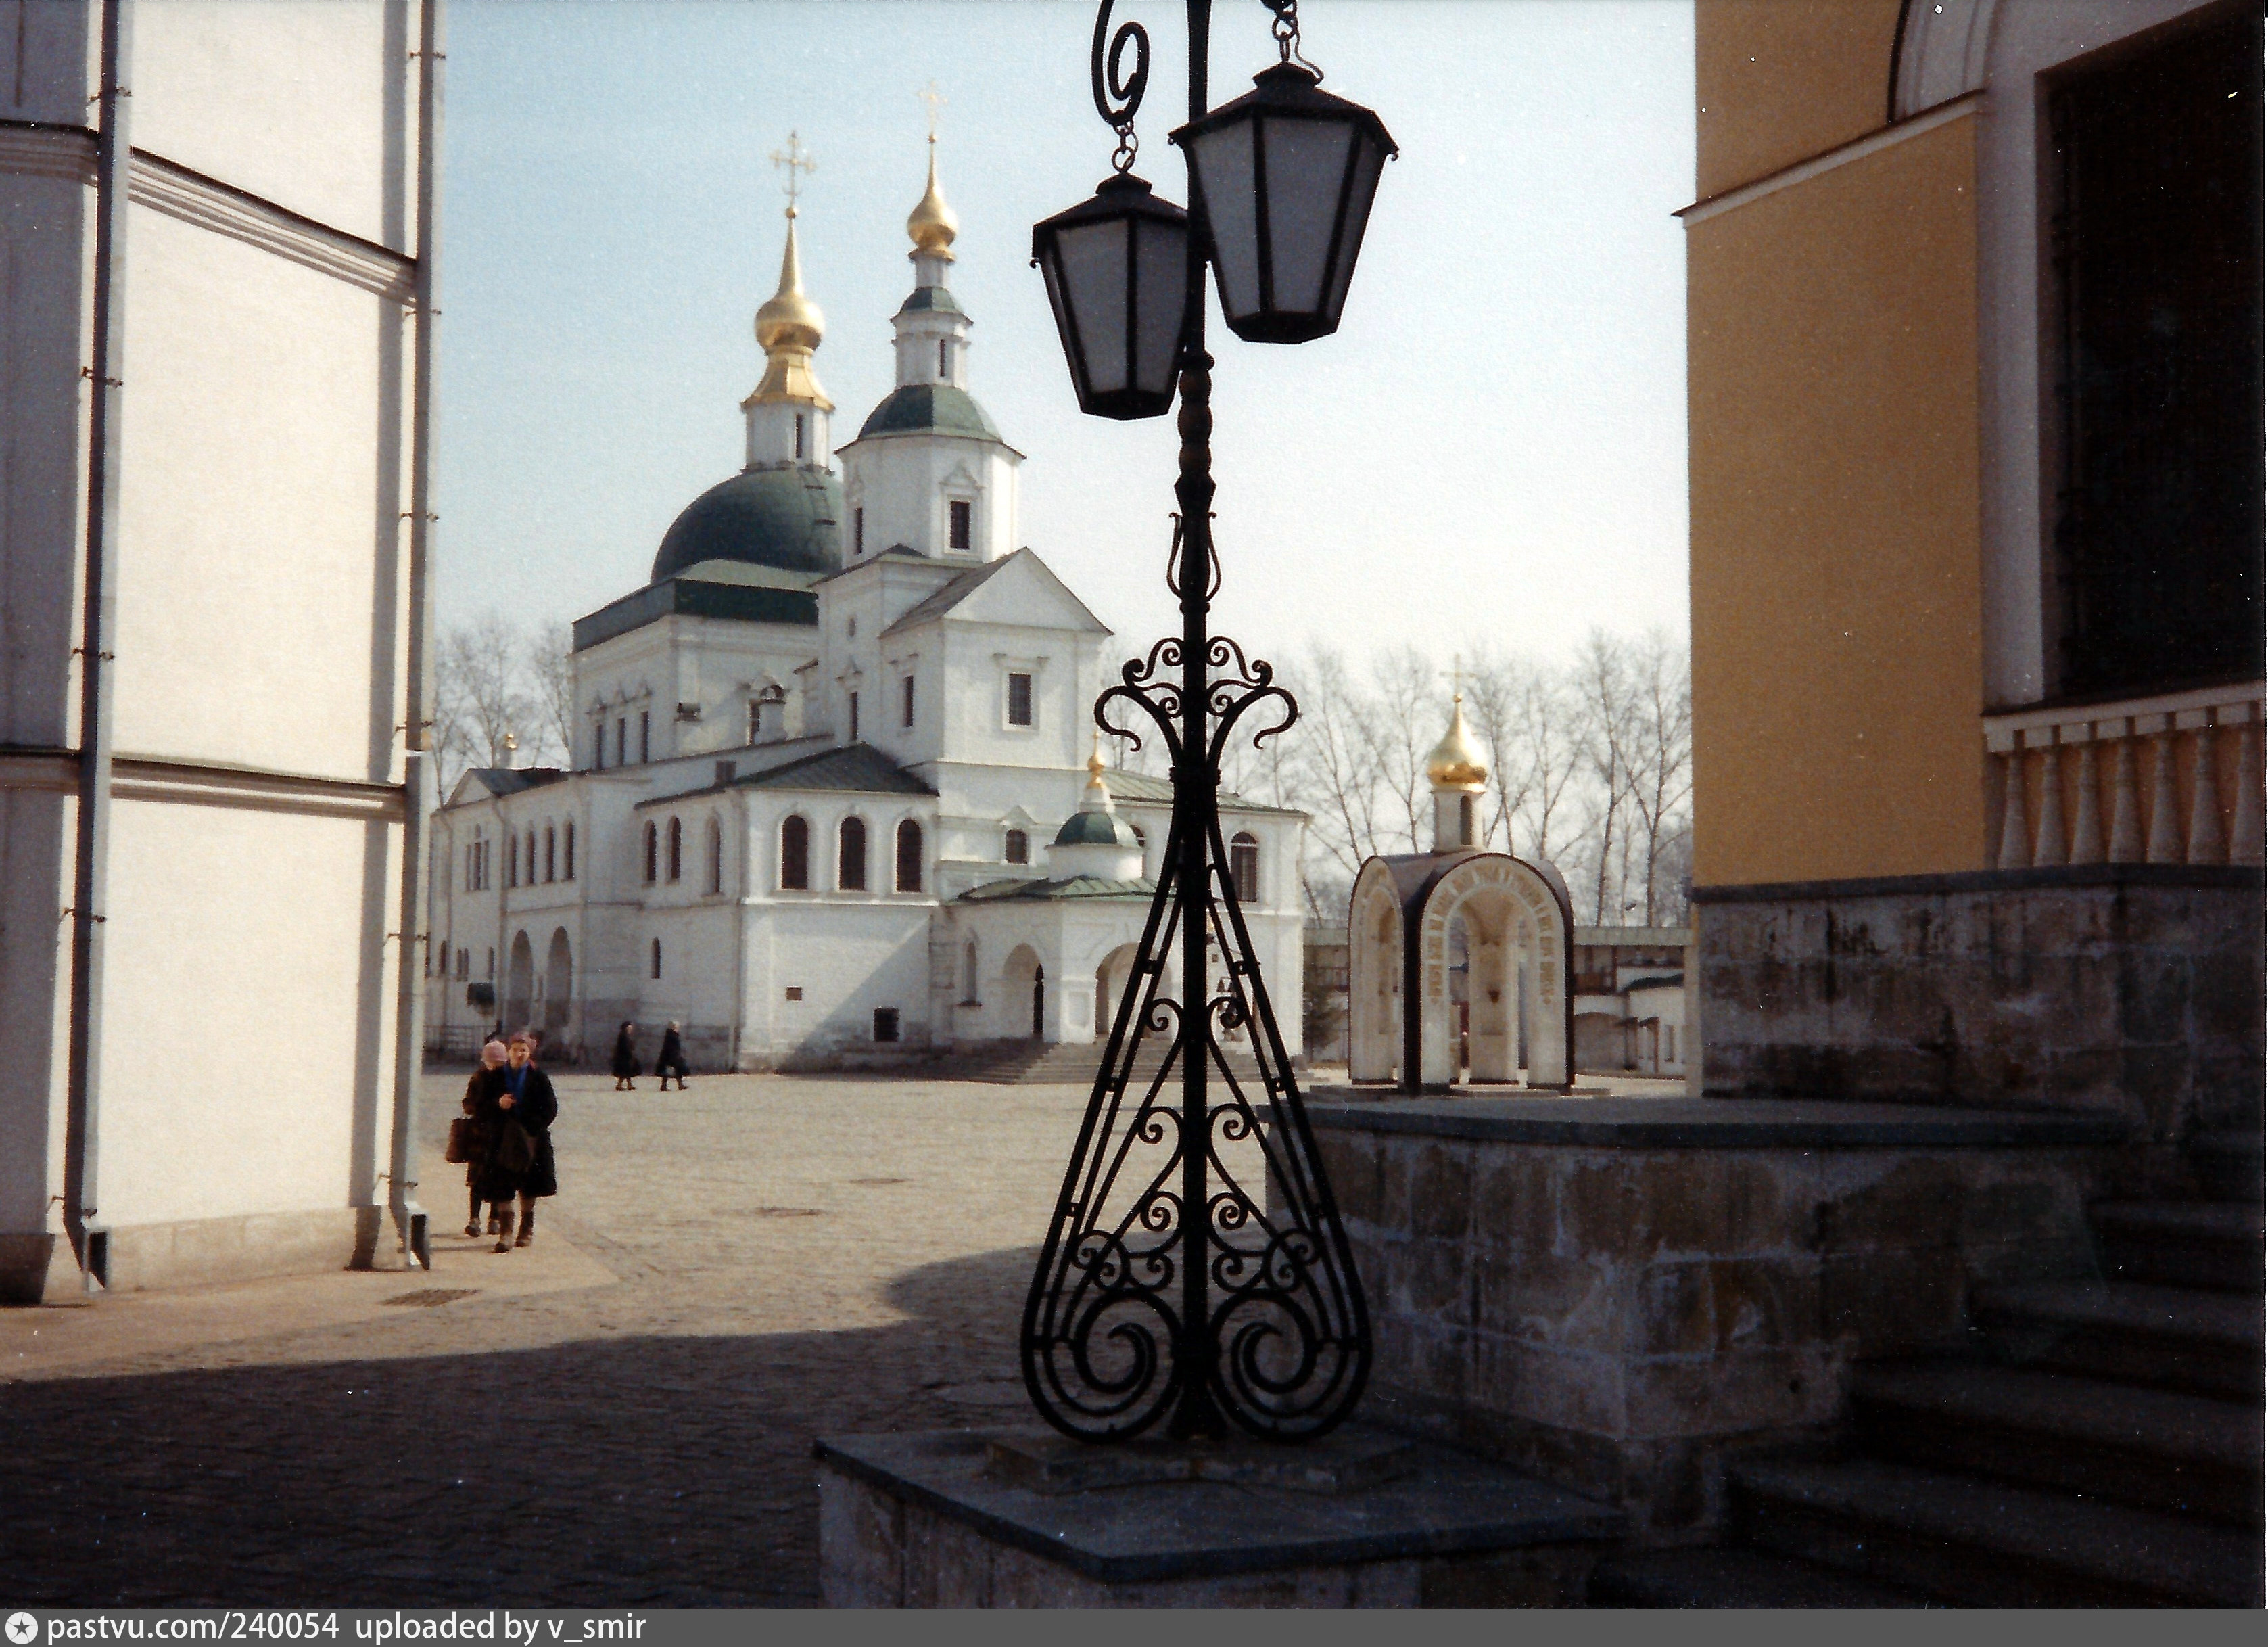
column 1039, row 1003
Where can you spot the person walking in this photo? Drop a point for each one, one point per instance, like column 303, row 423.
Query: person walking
column 671, row 1061
column 522, row 1161
column 479, row 1105
column 625, row 1061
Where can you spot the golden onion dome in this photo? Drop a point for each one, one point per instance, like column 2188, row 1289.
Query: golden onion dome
column 789, row 319
column 933, row 225
column 1455, row 762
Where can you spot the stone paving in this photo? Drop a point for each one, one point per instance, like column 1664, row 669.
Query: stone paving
column 621, row 1414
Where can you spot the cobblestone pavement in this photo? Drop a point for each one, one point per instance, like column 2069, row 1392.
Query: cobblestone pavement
column 774, row 1259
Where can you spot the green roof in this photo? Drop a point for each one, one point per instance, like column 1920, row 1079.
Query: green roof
column 698, row 596
column 1093, row 829
column 929, row 408
column 787, row 516
column 1139, row 787
column 1076, row 886
column 932, row 300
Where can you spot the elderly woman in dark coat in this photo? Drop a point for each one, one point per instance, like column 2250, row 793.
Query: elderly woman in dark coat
column 519, row 1163
column 625, row 1061
column 481, row 1139
column 671, row 1061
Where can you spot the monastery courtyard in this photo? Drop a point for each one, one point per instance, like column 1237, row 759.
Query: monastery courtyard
column 621, row 1414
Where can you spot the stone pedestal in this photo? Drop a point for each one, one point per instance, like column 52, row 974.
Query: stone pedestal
column 958, row 1519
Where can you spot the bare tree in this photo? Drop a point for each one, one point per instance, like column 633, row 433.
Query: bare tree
column 480, row 694
column 1659, row 752
column 550, row 738
column 1607, row 695
column 1400, row 724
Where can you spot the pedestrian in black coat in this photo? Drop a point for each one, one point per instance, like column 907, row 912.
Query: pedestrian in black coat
column 671, row 1061
column 522, row 1163
column 480, row 1104
column 625, row 1061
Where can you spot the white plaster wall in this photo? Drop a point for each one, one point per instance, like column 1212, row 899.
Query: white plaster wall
column 35, row 867
column 308, row 103
column 249, row 1018
column 903, row 482
column 259, row 569
column 49, row 54
column 848, row 959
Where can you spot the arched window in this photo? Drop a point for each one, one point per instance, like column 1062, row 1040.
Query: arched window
column 909, row 856
column 968, row 968
column 1244, row 866
column 512, row 860
column 1140, row 840
column 850, row 858
column 716, row 857
column 654, row 960
column 1016, row 848
column 677, row 849
column 550, row 852
column 652, row 851
column 528, row 858
column 795, row 854
column 567, row 868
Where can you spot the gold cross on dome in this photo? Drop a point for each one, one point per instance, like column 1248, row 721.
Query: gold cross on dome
column 935, row 98
column 796, row 160
column 1457, row 674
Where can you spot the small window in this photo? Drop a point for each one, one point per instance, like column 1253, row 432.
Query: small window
column 857, row 531
column 646, row 735
column 653, row 959
column 909, row 856
column 677, row 849
column 850, row 856
column 940, row 359
column 1018, row 848
column 1468, row 821
column 885, row 1023
column 550, row 852
column 527, row 862
column 599, row 754
column 1020, row 700
column 795, row 855
column 621, row 742
column 726, row 770
column 1244, row 867
column 958, row 513
column 795, row 992
column 798, row 437
column 756, row 718
column 1140, row 840
column 652, row 853
column 906, row 702
column 512, row 860
column 567, row 853
column 715, row 858
column 969, row 970
column 854, row 717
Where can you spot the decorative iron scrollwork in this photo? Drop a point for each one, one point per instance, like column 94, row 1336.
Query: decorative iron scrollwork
column 1118, row 89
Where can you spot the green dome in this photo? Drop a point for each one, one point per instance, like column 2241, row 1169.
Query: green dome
column 1093, row 829
column 785, row 517
column 929, row 408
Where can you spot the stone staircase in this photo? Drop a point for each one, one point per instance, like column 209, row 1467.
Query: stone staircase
column 2103, row 1449
column 1036, row 1063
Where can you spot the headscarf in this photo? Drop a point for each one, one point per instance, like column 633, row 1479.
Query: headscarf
column 494, row 1055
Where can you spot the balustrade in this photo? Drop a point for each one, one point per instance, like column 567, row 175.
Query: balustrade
column 2183, row 774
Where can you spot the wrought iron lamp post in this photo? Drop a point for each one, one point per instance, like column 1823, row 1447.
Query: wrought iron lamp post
column 1195, row 1273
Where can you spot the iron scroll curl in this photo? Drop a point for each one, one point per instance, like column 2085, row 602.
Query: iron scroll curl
column 1119, row 89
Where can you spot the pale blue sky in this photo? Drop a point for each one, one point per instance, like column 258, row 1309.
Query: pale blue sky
column 1491, row 448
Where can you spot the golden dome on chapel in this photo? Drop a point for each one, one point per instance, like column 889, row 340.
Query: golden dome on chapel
column 788, row 318
column 933, row 225
column 1456, row 762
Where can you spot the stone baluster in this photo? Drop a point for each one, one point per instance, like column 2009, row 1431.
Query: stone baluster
column 2126, row 800
column 2207, row 844
column 2049, row 852
column 2087, row 833
column 2245, row 841
column 2165, row 846
column 2016, row 845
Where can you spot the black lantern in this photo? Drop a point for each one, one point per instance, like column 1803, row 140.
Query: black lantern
column 1284, row 177
column 1117, row 272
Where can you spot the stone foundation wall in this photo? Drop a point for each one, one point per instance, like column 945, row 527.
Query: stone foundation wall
column 2135, row 990
column 1618, row 1304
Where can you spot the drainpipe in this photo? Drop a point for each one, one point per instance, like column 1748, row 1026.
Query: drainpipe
column 740, row 938
column 98, row 634
column 417, row 768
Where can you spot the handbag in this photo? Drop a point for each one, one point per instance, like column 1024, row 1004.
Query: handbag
column 460, row 1152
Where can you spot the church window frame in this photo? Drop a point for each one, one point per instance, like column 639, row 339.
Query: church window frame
column 1244, row 866
column 567, row 852
column 802, row 439
column 970, row 974
column 795, row 853
column 907, row 867
column 510, row 861
column 944, row 361
column 621, row 741
column 646, row 735
column 713, row 846
column 652, row 850
column 676, row 860
column 851, row 845
column 1016, row 846
column 960, row 526
column 906, row 700
column 653, row 960
column 1022, row 709
column 858, row 530
column 854, row 717
column 550, row 853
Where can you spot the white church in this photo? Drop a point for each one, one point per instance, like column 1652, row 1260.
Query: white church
column 834, row 790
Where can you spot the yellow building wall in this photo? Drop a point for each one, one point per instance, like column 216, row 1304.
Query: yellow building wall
column 1832, row 398
column 1778, row 81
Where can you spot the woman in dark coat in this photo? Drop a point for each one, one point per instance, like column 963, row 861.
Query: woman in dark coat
column 480, row 1137
column 671, row 1061
column 625, row 1063
column 520, row 1162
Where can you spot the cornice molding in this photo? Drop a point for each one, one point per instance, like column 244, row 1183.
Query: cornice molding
column 66, row 153
column 1834, row 159
column 190, row 783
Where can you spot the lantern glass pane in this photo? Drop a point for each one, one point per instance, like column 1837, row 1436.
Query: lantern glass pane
column 1369, row 159
column 1306, row 163
column 1095, row 273
column 1161, row 288
column 1224, row 173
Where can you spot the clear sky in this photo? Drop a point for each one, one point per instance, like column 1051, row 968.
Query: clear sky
column 1492, row 448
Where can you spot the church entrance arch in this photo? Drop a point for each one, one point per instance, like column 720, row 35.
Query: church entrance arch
column 519, row 984
column 1374, row 977
column 559, row 984
column 1111, row 980
column 1026, row 982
